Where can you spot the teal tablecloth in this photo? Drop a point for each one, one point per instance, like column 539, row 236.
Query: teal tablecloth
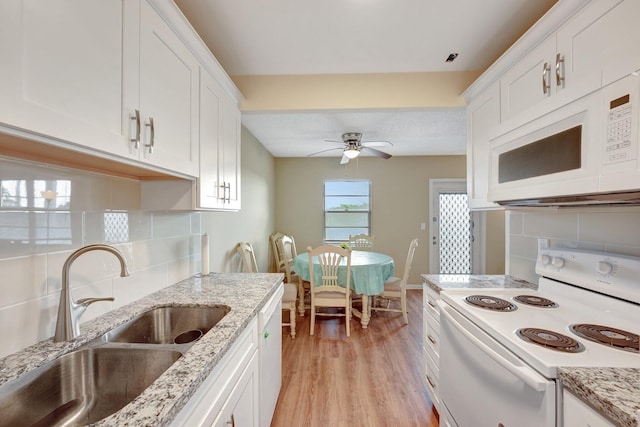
column 369, row 270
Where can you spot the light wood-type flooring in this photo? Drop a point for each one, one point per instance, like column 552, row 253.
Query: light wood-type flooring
column 370, row 379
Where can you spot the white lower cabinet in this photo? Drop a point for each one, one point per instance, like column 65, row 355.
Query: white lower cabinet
column 576, row 413
column 230, row 395
column 431, row 345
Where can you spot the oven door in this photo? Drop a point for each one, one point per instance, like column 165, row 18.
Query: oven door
column 482, row 384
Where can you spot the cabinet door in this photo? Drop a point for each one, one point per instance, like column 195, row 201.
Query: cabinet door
column 230, row 151
column 579, row 414
column 168, row 96
column 595, row 45
column 62, row 71
column 483, row 115
column 528, row 82
column 219, row 182
column 241, row 409
column 209, row 191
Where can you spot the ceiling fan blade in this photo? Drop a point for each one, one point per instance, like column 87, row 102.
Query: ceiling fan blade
column 344, row 160
column 324, row 151
column 377, row 144
column 377, row 152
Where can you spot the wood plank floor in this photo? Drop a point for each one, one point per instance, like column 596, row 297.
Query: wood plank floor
column 372, row 378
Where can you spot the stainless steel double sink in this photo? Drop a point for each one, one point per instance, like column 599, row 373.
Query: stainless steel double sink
column 100, row 378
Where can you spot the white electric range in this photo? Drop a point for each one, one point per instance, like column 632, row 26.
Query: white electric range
column 500, row 348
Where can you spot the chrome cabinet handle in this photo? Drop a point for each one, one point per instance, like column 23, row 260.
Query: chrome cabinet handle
column 430, row 381
column 152, row 138
column 546, row 69
column 559, row 76
column 224, row 192
column 136, row 138
column 229, row 192
column 430, row 338
column 232, row 421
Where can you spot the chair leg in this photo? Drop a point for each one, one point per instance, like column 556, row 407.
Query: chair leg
column 301, row 299
column 292, row 320
column 313, row 319
column 403, row 303
column 348, row 319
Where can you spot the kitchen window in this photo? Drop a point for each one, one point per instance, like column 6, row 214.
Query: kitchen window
column 347, row 209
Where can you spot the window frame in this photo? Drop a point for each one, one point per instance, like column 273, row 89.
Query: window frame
column 346, row 211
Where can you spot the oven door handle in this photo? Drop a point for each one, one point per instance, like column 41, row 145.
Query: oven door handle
column 522, row 372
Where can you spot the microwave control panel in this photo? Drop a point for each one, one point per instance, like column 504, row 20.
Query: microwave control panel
column 621, row 143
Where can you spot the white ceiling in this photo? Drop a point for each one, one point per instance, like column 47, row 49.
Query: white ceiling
column 289, row 37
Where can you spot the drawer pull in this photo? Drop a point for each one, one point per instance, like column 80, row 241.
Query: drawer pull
column 431, row 304
column 431, row 383
column 430, row 338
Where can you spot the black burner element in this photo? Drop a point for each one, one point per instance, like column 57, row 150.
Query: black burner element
column 535, row 301
column 490, row 303
column 613, row 337
column 550, row 339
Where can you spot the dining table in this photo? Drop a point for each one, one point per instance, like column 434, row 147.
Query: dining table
column 369, row 270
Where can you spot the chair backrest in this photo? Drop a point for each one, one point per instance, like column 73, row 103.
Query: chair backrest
column 361, row 242
column 275, row 238
column 249, row 263
column 329, row 258
column 287, row 248
column 407, row 267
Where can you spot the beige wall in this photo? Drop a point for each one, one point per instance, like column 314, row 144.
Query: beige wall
column 255, row 221
column 400, row 195
column 354, row 91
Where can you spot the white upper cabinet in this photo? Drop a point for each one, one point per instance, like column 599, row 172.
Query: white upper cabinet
column 569, row 63
column 62, row 71
column 168, row 92
column 483, row 116
column 75, row 72
column 218, row 186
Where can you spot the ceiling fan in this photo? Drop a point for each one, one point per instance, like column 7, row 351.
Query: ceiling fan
column 352, row 145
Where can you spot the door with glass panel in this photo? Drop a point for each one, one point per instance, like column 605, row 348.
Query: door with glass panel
column 455, row 233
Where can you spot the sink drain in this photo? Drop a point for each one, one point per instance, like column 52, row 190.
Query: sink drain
column 188, row 336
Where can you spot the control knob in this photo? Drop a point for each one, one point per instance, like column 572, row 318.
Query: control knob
column 557, row 262
column 604, row 267
column 545, row 259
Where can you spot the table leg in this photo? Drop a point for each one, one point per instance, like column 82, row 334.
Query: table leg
column 366, row 313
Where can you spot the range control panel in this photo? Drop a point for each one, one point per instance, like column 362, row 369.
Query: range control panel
column 608, row 273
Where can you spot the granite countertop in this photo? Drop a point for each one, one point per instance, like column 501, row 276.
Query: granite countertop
column 614, row 392
column 440, row 282
column 245, row 293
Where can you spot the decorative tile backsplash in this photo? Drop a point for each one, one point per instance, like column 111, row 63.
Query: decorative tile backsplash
column 47, row 212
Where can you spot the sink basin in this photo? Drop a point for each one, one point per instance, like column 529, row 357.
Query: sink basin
column 168, row 325
column 83, row 386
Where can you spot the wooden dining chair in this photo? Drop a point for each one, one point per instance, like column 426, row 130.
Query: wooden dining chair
column 361, row 242
column 274, row 238
column 290, row 290
column 287, row 248
column 395, row 288
column 330, row 291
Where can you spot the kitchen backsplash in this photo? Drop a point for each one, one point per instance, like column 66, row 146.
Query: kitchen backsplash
column 47, row 212
column 615, row 230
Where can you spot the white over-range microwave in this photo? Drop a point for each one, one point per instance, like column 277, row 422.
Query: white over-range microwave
column 584, row 153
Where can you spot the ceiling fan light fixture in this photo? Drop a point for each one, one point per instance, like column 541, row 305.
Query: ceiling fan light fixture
column 351, row 153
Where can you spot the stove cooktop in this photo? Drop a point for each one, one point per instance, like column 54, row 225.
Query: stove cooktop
column 571, row 306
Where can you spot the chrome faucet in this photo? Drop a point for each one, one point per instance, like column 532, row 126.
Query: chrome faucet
column 69, row 311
